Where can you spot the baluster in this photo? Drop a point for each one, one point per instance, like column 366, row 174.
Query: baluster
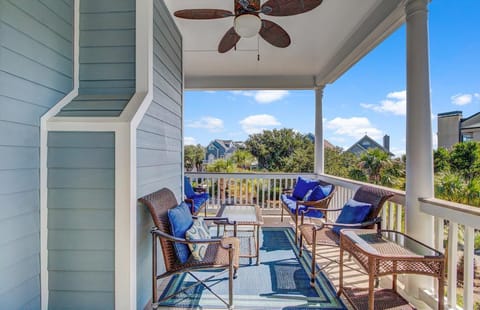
column 452, row 264
column 468, row 270
column 390, row 216
column 384, row 219
column 398, row 214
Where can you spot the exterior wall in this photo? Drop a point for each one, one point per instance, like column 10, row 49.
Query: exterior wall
column 448, row 130
column 36, row 71
column 159, row 137
column 107, row 58
column 81, row 219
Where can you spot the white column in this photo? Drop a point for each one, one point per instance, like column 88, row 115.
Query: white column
column 319, row 154
column 419, row 132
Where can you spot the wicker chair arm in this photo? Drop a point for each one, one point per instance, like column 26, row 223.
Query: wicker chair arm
column 168, row 237
column 356, row 225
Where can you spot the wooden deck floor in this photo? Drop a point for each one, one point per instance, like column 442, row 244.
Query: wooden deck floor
column 354, row 276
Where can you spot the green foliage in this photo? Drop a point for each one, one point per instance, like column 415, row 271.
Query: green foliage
column 273, row 148
column 221, row 165
column 243, row 159
column 465, row 159
column 301, row 160
column 193, row 156
column 441, row 160
column 374, row 162
column 339, row 163
column 357, row 175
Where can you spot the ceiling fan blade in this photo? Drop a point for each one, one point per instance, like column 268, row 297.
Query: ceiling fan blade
column 203, row 14
column 288, row 7
column 274, row 34
column 228, row 41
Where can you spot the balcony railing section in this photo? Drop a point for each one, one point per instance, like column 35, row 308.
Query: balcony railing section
column 264, row 189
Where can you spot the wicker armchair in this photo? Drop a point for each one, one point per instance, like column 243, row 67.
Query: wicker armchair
column 221, row 254
column 315, row 235
column 306, row 208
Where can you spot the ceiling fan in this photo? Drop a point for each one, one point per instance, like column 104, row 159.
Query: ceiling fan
column 247, row 22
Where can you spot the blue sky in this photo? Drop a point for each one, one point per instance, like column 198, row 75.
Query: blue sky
column 369, row 98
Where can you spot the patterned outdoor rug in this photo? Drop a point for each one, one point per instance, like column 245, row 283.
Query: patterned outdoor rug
column 281, row 281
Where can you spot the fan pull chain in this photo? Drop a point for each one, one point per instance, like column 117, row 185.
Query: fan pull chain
column 258, row 48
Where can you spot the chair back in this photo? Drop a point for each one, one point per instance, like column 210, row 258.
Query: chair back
column 158, row 204
column 187, row 187
column 375, row 196
column 323, row 183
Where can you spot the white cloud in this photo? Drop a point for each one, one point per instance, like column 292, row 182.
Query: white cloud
column 257, row 123
column 212, row 124
column 355, row 127
column 263, row 96
column 396, row 103
column 189, row 141
column 463, row 99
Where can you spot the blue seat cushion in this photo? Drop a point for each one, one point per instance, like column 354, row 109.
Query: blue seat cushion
column 180, row 220
column 189, row 192
column 291, row 203
column 302, row 186
column 319, row 192
column 353, row 212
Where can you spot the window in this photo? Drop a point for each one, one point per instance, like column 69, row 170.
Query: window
column 467, row 136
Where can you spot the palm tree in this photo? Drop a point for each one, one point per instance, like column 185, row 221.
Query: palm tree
column 373, row 161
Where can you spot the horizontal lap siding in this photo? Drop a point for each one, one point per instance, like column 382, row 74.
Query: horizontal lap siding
column 35, row 73
column 107, row 58
column 81, row 219
column 159, row 137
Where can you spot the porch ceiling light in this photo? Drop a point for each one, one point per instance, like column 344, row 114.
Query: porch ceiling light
column 247, row 25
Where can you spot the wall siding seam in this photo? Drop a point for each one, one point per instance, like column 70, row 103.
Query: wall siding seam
column 37, row 41
column 61, row 92
column 174, row 61
column 25, row 102
column 67, row 75
column 68, row 40
column 167, row 25
column 163, row 121
column 156, row 86
column 166, row 79
column 57, row 15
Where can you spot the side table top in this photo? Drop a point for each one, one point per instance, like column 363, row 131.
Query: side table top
column 389, row 243
column 242, row 214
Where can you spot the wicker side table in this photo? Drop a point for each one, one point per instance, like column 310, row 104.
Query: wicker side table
column 387, row 252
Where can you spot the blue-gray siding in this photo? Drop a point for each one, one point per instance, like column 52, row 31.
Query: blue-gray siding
column 159, row 137
column 107, row 58
column 35, row 73
column 81, row 220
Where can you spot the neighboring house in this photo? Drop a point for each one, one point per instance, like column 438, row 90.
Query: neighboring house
column 367, row 143
column 326, row 143
column 452, row 128
column 222, row 149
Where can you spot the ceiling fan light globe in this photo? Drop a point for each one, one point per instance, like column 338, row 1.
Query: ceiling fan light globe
column 247, row 25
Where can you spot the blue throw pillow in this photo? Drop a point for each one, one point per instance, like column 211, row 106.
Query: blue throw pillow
column 187, row 187
column 180, row 221
column 320, row 192
column 302, row 186
column 353, row 212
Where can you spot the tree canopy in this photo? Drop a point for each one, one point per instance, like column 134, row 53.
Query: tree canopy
column 193, row 156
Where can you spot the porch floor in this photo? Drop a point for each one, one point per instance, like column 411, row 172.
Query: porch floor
column 354, row 276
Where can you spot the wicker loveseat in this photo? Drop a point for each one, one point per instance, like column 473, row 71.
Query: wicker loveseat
column 294, row 205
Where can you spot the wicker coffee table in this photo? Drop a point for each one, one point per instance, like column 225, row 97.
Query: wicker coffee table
column 387, row 252
column 249, row 219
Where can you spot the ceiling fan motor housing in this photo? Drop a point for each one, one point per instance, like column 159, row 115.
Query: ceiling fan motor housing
column 247, row 25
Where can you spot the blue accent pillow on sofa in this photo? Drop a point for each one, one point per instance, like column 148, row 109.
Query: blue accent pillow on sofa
column 353, row 212
column 320, row 192
column 180, row 221
column 302, row 186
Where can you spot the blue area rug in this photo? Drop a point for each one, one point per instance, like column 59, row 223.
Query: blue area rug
column 281, row 281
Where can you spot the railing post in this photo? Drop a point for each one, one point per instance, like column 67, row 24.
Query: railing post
column 468, row 268
column 452, row 264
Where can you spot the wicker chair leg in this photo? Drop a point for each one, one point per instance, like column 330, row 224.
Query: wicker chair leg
column 296, row 227
column 281, row 218
column 301, row 245
column 230, row 277
column 314, row 263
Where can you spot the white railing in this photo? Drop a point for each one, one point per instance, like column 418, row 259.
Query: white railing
column 265, row 189
column 245, row 188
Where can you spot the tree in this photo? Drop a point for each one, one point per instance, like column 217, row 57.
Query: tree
column 273, row 147
column 465, row 159
column 441, row 158
column 221, row 165
column 301, row 160
column 194, row 156
column 373, row 161
column 243, row 159
column 340, row 163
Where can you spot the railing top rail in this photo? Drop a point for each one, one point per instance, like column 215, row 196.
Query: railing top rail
column 456, row 212
column 280, row 174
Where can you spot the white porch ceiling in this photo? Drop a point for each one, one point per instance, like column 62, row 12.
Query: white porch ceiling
column 326, row 42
